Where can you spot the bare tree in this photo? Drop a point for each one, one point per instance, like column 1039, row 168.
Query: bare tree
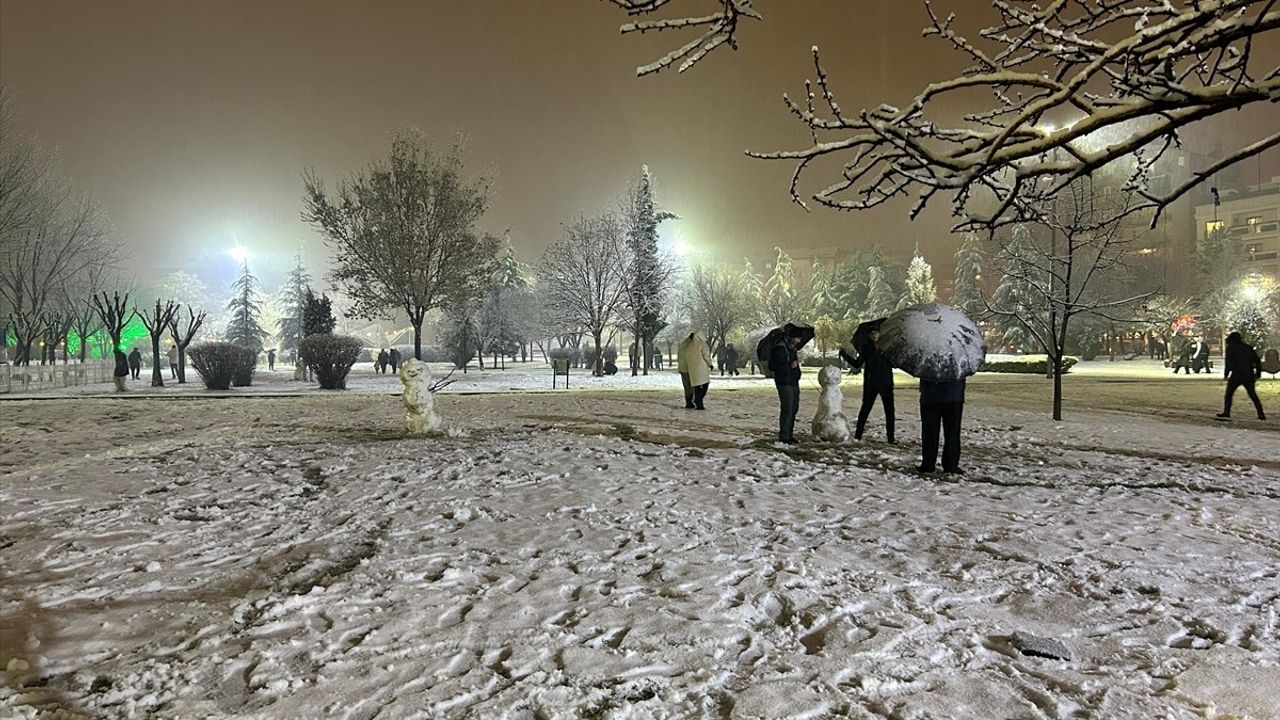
column 182, row 336
column 1065, row 275
column 1132, row 73
column 404, row 233
column 718, row 303
column 156, row 322
column 113, row 311
column 583, row 278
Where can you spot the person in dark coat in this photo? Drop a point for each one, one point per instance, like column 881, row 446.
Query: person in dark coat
column 877, row 381
column 731, row 358
column 1242, row 367
column 1200, row 356
column 941, row 403
column 122, row 370
column 393, row 357
column 271, row 359
column 135, row 364
column 380, row 364
column 784, row 362
column 1183, row 361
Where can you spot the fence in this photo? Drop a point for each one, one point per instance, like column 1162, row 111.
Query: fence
column 25, row 378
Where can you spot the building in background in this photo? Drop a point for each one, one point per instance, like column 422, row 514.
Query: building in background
column 1250, row 216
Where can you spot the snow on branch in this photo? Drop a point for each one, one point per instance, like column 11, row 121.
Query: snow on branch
column 1121, row 79
column 716, row 29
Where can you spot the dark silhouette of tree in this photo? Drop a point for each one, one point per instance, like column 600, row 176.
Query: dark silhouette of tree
column 156, row 322
column 404, row 233
column 182, row 337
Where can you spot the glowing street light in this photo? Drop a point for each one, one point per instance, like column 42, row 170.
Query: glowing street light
column 239, row 253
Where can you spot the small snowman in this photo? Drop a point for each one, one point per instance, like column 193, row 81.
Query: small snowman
column 829, row 424
column 419, row 403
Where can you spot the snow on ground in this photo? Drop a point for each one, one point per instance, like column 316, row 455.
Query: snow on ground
column 609, row 554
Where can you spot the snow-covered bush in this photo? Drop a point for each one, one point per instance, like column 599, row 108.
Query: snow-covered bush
column 1034, row 364
column 217, row 362
column 331, row 358
column 245, row 361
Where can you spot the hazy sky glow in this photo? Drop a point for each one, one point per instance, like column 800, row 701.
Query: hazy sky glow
column 192, row 122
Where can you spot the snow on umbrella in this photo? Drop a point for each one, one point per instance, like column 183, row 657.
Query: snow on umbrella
column 933, row 341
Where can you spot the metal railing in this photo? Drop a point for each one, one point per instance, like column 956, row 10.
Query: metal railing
column 27, row 378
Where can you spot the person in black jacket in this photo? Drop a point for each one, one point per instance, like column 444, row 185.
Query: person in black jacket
column 785, row 365
column 122, row 371
column 877, row 381
column 135, row 364
column 941, row 402
column 1242, row 367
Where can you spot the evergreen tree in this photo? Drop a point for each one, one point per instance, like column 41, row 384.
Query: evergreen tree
column 1017, row 294
column 317, row 315
column 780, row 291
column 919, row 287
column 244, row 310
column 648, row 276
column 850, row 290
column 968, row 294
column 292, row 298
column 753, row 291
column 880, row 296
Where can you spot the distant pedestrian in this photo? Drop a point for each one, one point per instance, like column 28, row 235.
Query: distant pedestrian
column 380, row 364
column 731, row 357
column 722, row 359
column 135, row 364
column 784, row 361
column 173, row 361
column 271, row 359
column 941, row 403
column 393, row 357
column 122, row 370
column 1242, row 368
column 877, row 381
column 1200, row 356
column 293, row 356
column 1183, row 361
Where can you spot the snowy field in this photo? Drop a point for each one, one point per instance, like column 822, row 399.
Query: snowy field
column 607, row 554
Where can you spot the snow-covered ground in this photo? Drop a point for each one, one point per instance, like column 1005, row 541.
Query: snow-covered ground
column 609, row 554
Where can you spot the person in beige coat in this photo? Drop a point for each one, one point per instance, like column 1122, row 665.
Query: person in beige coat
column 695, row 365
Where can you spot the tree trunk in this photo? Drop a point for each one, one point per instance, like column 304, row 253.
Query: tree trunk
column 182, row 364
column 417, row 336
column 157, row 377
column 1057, row 386
column 597, row 368
column 635, row 366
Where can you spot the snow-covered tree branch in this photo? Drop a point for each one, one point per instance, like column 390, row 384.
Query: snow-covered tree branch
column 1121, row 79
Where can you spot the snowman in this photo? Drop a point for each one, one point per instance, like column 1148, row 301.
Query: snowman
column 419, row 403
column 829, row 424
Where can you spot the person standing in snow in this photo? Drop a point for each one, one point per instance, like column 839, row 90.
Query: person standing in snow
column 731, row 358
column 271, row 359
column 1242, row 367
column 173, row 361
column 941, row 403
column 380, row 364
column 877, row 381
column 784, row 362
column 135, row 364
column 393, row 357
column 122, row 370
column 694, row 359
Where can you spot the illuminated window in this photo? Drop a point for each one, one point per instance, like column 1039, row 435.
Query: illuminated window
column 1213, row 226
column 1253, row 223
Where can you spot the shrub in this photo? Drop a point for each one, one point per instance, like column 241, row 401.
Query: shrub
column 216, row 362
column 331, row 358
column 1032, row 365
column 245, row 361
column 816, row 361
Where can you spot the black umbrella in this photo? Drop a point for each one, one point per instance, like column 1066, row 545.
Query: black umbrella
column 862, row 334
column 933, row 341
column 778, row 334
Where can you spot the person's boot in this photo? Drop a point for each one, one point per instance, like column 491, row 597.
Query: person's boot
column 1224, row 414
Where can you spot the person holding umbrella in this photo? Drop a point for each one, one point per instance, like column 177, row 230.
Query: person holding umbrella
column 877, row 381
column 941, row 346
column 784, row 362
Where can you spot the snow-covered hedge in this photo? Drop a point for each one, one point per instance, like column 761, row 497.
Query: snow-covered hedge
column 1035, row 365
column 331, row 358
column 221, row 363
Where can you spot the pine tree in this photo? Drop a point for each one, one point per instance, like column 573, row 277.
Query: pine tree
column 780, row 291
column 648, row 275
column 317, row 315
column 850, row 289
column 968, row 294
column 753, row 291
column 292, row 298
column 1017, row 295
column 244, row 325
column 919, row 287
column 880, row 296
